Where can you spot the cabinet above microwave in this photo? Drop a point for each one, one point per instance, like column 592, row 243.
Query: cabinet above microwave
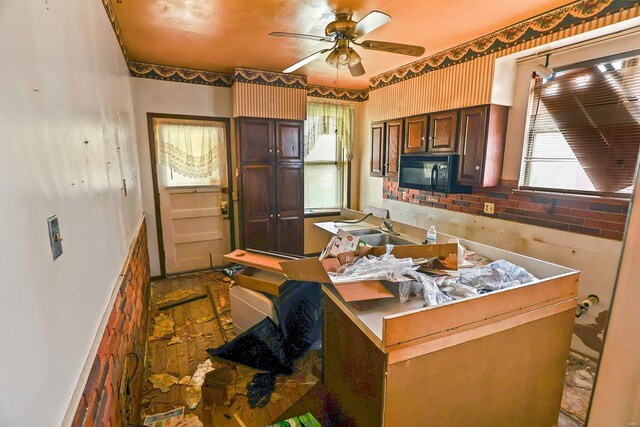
column 477, row 134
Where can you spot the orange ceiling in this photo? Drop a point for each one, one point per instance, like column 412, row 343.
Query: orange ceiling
column 216, row 35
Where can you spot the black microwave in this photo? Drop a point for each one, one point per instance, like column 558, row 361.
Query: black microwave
column 430, row 173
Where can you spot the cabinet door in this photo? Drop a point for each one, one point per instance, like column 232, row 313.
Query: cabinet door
column 472, row 144
column 258, row 207
column 290, row 208
column 443, row 132
column 394, row 139
column 289, row 137
column 256, row 140
column 377, row 149
column 415, row 134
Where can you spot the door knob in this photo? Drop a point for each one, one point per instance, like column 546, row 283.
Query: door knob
column 477, row 168
column 224, row 207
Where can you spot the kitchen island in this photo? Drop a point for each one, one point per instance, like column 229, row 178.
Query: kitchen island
column 496, row 359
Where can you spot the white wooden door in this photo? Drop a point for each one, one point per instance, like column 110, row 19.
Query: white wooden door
column 195, row 233
column 192, row 228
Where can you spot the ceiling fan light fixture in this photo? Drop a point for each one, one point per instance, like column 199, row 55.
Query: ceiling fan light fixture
column 344, row 55
column 332, row 58
column 355, row 58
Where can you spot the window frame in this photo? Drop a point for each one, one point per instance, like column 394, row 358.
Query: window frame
column 602, row 195
column 344, row 178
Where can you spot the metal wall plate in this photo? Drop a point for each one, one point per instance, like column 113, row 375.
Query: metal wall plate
column 54, row 237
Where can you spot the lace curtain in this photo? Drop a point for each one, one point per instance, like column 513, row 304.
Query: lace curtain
column 190, row 150
column 327, row 119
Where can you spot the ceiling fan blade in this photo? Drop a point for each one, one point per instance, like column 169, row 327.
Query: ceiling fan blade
column 302, row 36
column 370, row 22
column 305, row 61
column 402, row 49
column 357, row 70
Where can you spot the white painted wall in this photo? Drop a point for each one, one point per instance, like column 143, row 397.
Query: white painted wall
column 63, row 80
column 157, row 96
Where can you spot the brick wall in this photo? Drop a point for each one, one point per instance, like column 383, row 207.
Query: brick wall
column 101, row 403
column 584, row 215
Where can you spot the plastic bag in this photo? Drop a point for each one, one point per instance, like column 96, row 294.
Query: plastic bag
column 513, row 272
column 385, row 267
column 388, row 267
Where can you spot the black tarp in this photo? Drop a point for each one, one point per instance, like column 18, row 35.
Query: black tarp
column 273, row 348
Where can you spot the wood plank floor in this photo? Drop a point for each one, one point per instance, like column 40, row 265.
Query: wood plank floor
column 179, row 353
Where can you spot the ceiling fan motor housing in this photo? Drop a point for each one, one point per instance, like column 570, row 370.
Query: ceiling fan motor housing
column 342, row 27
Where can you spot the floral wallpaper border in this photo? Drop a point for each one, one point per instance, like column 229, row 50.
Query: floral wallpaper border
column 547, row 23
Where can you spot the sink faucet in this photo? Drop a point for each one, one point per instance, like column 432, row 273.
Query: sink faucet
column 387, row 227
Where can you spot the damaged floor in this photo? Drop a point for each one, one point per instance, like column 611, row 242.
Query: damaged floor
column 176, row 359
column 578, row 385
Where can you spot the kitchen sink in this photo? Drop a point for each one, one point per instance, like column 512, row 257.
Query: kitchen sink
column 381, row 239
column 365, row 232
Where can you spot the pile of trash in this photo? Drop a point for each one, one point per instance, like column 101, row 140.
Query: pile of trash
column 424, row 277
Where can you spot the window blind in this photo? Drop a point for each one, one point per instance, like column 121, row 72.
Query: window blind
column 584, row 130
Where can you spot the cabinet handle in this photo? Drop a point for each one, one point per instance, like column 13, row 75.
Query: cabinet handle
column 271, row 150
column 277, row 151
column 422, row 138
column 271, row 216
column 278, row 215
column 477, row 168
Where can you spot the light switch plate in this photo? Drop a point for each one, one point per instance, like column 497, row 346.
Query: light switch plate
column 489, row 208
column 54, row 237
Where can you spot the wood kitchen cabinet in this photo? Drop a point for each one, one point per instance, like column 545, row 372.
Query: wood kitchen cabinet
column 272, row 184
column 495, row 359
column 377, row 149
column 393, row 137
column 443, row 132
column 258, row 206
column 287, row 142
column 290, row 208
column 481, row 145
column 256, row 140
column 415, row 135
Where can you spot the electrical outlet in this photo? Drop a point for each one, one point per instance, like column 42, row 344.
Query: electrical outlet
column 404, row 195
column 489, row 208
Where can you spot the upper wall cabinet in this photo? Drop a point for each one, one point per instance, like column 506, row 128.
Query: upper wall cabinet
column 481, row 145
column 415, row 136
column 289, row 135
column 256, row 140
column 394, row 136
column 443, row 132
column 377, row 149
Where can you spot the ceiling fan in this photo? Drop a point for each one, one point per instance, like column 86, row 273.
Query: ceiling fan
column 342, row 33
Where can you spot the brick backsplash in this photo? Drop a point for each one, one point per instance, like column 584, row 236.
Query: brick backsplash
column 101, row 403
column 569, row 213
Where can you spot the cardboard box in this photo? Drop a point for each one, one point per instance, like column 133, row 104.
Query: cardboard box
column 259, row 280
column 315, row 269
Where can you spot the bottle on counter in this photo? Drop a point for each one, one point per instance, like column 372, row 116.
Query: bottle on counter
column 431, row 235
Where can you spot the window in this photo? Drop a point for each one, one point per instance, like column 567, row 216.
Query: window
column 584, row 130
column 327, row 149
column 190, row 152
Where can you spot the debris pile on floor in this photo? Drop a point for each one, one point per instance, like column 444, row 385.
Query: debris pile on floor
column 173, row 418
column 179, row 371
column 578, row 385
